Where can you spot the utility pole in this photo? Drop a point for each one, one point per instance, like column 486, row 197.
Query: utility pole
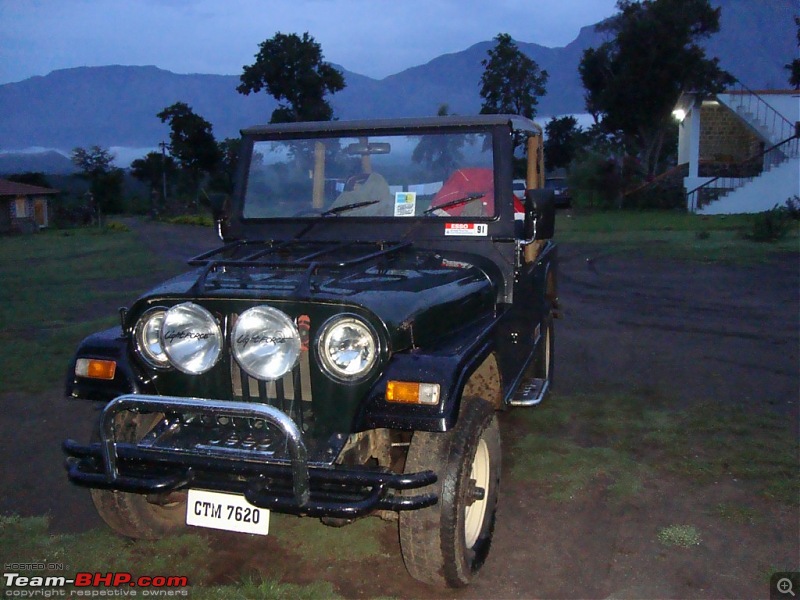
column 163, row 146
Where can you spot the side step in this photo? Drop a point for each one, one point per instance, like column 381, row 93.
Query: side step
column 530, row 392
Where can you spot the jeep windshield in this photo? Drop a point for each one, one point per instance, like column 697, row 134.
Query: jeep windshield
column 435, row 175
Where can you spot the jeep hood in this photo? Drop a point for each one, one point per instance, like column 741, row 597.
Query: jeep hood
column 419, row 291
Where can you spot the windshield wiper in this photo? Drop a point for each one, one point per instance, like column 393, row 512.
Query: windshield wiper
column 456, row 202
column 345, row 207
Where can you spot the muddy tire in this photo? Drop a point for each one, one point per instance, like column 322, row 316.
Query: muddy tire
column 139, row 516
column 446, row 544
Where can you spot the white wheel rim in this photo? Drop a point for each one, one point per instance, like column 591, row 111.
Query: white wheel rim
column 474, row 513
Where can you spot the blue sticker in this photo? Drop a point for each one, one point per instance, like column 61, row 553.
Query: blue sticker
column 405, row 204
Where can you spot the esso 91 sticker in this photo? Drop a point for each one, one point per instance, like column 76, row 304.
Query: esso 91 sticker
column 466, row 229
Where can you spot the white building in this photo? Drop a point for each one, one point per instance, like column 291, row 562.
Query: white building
column 742, row 150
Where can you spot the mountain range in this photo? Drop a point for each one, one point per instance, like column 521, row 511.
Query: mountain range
column 116, row 105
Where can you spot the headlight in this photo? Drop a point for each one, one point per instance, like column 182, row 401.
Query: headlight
column 147, row 337
column 265, row 343
column 347, row 347
column 191, row 338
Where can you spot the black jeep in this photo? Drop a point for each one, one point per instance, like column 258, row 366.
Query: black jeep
column 379, row 296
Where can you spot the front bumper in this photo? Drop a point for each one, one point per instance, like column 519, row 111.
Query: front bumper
column 288, row 484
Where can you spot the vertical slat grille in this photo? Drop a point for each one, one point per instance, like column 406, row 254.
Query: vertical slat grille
column 291, row 393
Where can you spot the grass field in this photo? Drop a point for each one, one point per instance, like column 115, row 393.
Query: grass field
column 574, row 440
column 58, row 287
column 27, row 541
column 674, row 235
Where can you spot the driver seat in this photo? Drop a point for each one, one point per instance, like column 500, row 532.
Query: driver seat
column 366, row 188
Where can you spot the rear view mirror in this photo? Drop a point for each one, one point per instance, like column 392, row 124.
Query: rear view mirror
column 540, row 214
column 366, row 149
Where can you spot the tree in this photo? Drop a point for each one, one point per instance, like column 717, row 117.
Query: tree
column 511, row 81
column 225, row 175
column 93, row 162
column 563, row 139
column 153, row 170
column 594, row 74
column 634, row 80
column 105, row 181
column 292, row 70
column 441, row 153
column 192, row 142
column 794, row 66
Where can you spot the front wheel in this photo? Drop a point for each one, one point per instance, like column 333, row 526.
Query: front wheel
column 446, row 544
column 139, row 516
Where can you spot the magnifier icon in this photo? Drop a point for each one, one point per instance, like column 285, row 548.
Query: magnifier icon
column 784, row 586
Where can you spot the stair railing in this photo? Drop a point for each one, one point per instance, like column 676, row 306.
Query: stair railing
column 778, row 126
column 718, row 187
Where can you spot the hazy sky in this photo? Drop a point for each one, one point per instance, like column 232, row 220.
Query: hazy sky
column 371, row 37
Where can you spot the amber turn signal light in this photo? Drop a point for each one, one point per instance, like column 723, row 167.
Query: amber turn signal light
column 95, row 369
column 409, row 392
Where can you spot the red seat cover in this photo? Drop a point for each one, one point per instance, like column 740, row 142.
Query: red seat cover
column 464, row 182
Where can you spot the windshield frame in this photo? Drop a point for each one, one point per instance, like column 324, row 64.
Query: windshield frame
column 359, row 227
column 327, row 173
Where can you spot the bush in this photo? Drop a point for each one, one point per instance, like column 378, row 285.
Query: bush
column 201, row 220
column 770, row 225
column 138, row 205
column 596, row 182
column 71, row 212
column 117, row 226
column 666, row 196
column 793, row 208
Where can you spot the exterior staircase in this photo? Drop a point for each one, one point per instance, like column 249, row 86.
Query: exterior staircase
column 772, row 188
column 779, row 179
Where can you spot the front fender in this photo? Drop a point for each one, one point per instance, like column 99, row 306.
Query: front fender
column 450, row 364
column 110, row 344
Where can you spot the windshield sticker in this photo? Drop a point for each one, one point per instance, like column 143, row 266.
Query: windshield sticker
column 405, row 204
column 466, row 229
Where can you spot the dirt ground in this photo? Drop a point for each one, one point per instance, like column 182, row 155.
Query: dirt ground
column 660, row 329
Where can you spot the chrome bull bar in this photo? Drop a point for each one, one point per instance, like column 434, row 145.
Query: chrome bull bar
column 298, row 453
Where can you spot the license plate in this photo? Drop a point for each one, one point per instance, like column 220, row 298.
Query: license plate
column 225, row 511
